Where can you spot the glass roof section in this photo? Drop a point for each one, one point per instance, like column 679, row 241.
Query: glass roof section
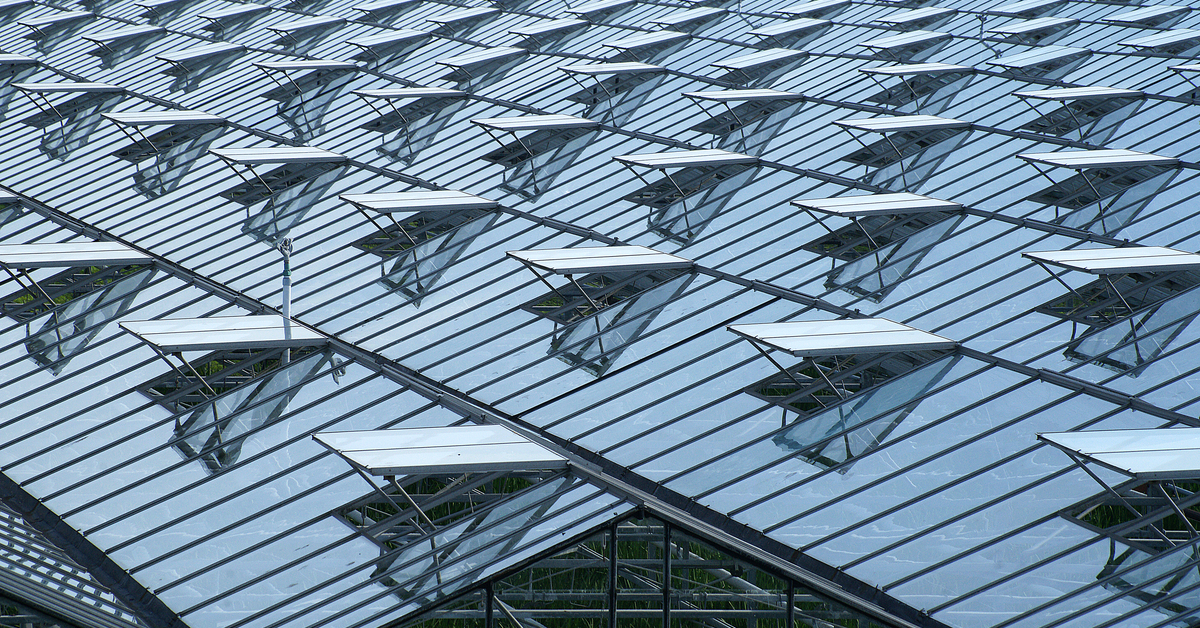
column 402, row 167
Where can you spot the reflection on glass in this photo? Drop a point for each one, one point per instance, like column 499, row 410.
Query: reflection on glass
column 174, row 151
column 415, row 126
column 595, row 342
column 875, row 274
column 532, row 163
column 1103, row 200
column 614, row 99
column 852, row 429
column 1167, row 584
column 69, row 327
column 12, row 73
column 924, row 94
column 906, row 160
column 705, row 192
column 304, row 101
column 1129, row 345
column 293, row 189
column 190, row 70
column 439, row 242
column 750, row 126
column 66, row 127
column 213, row 431
column 1093, row 121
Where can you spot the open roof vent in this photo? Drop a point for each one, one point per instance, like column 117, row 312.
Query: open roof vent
column 923, row 86
column 540, row 148
column 1117, row 182
column 175, row 140
column 911, row 149
column 696, row 185
column 299, row 177
column 412, row 116
column 191, row 66
column 67, row 124
column 612, row 92
column 618, row 293
column 89, row 285
column 840, row 358
column 305, row 90
column 423, row 234
column 1142, row 298
column 1087, row 113
column 745, row 119
column 886, row 239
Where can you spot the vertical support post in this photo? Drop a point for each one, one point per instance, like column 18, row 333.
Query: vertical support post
column 285, row 247
column 791, row 605
column 666, row 589
column 489, row 609
column 612, row 575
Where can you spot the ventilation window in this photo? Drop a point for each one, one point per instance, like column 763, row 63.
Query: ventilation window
column 690, row 20
column 300, row 178
column 621, row 290
column 414, row 114
column 8, row 8
column 231, row 21
column 820, row 9
column 305, row 90
column 1027, row 9
column 1131, row 312
column 184, row 136
column 1149, row 17
column 928, row 85
column 759, row 68
column 14, row 68
column 96, row 284
column 916, row 19
column 647, row 46
column 614, row 90
column 67, row 125
column 1154, row 509
column 541, row 35
column 1104, row 178
column 913, row 144
column 610, row 275
column 1042, row 62
column 1187, row 72
column 1034, row 32
column 193, row 65
column 796, row 32
column 381, row 11
column 459, row 23
column 392, row 45
column 1085, row 111
column 540, row 149
column 759, row 116
column 695, row 186
column 910, row 46
column 300, row 35
column 49, row 30
column 841, row 358
column 601, row 10
column 1172, row 43
column 425, row 480
column 888, row 236
column 429, row 231
column 121, row 44
column 477, row 69
column 156, row 11
column 248, row 373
